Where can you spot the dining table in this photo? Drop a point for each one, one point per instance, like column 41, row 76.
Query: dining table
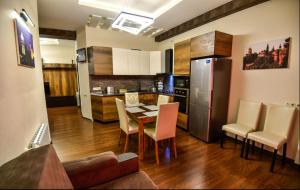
column 142, row 114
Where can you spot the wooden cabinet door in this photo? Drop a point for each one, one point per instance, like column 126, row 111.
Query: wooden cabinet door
column 203, row 45
column 211, row 44
column 182, row 58
column 155, row 62
column 100, row 60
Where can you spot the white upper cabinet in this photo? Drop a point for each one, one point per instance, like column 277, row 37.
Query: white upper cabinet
column 120, row 61
column 155, row 62
column 144, row 63
column 135, row 62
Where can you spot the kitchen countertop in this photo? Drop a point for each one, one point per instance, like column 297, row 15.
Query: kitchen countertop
column 118, row 94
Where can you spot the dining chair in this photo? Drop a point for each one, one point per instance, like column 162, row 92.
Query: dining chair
column 247, row 121
column 132, row 99
column 162, row 99
column 276, row 128
column 129, row 127
column 165, row 127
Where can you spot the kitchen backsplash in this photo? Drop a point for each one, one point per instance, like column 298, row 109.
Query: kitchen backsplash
column 129, row 84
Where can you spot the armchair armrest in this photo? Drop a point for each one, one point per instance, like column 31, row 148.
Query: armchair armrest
column 100, row 168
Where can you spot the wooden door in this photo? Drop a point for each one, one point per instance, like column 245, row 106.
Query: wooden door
column 182, row 58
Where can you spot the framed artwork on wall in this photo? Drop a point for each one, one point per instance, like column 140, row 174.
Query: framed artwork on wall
column 24, row 43
column 267, row 55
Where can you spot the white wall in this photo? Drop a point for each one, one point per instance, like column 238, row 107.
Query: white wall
column 90, row 36
column 271, row 20
column 22, row 98
column 64, row 52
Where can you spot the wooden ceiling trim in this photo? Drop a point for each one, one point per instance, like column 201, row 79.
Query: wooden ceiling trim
column 57, row 33
column 212, row 15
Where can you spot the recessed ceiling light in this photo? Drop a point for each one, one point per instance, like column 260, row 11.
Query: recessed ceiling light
column 132, row 23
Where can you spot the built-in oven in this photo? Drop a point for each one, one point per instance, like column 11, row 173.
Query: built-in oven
column 181, row 95
column 182, row 82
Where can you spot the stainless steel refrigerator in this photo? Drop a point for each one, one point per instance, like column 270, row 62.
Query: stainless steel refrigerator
column 209, row 96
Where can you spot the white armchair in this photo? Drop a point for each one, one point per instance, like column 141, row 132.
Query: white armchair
column 247, row 121
column 276, row 128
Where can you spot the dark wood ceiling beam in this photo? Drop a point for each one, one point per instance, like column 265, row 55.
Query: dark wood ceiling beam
column 212, row 15
column 57, row 34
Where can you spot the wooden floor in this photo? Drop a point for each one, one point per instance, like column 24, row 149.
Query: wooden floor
column 199, row 165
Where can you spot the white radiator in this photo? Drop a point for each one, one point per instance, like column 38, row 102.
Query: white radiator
column 41, row 137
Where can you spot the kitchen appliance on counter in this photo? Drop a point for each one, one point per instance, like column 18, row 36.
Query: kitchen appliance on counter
column 122, row 90
column 110, row 90
column 209, row 95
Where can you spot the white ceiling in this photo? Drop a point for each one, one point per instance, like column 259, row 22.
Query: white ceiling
column 69, row 15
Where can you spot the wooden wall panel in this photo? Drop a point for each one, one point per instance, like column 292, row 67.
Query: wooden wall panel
column 182, row 58
column 62, row 80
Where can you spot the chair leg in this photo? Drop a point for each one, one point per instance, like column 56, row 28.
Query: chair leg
column 120, row 137
column 126, row 143
column 235, row 139
column 284, row 153
column 253, row 146
column 146, row 139
column 273, row 160
column 223, row 136
column 243, row 147
column 156, row 153
column 174, row 147
column 262, row 148
column 247, row 149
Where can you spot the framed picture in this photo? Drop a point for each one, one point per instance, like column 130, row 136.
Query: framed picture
column 81, row 55
column 24, row 43
column 267, row 55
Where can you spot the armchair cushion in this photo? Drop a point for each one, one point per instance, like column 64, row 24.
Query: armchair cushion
column 100, row 168
column 237, row 129
column 267, row 138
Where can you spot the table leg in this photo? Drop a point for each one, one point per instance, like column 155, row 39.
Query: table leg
column 141, row 140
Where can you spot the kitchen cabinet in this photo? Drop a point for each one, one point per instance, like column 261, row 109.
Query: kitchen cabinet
column 155, row 62
column 182, row 120
column 120, row 63
column 182, row 58
column 148, row 98
column 104, row 108
column 215, row 43
column 130, row 62
column 100, row 60
column 135, row 62
column 144, row 63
